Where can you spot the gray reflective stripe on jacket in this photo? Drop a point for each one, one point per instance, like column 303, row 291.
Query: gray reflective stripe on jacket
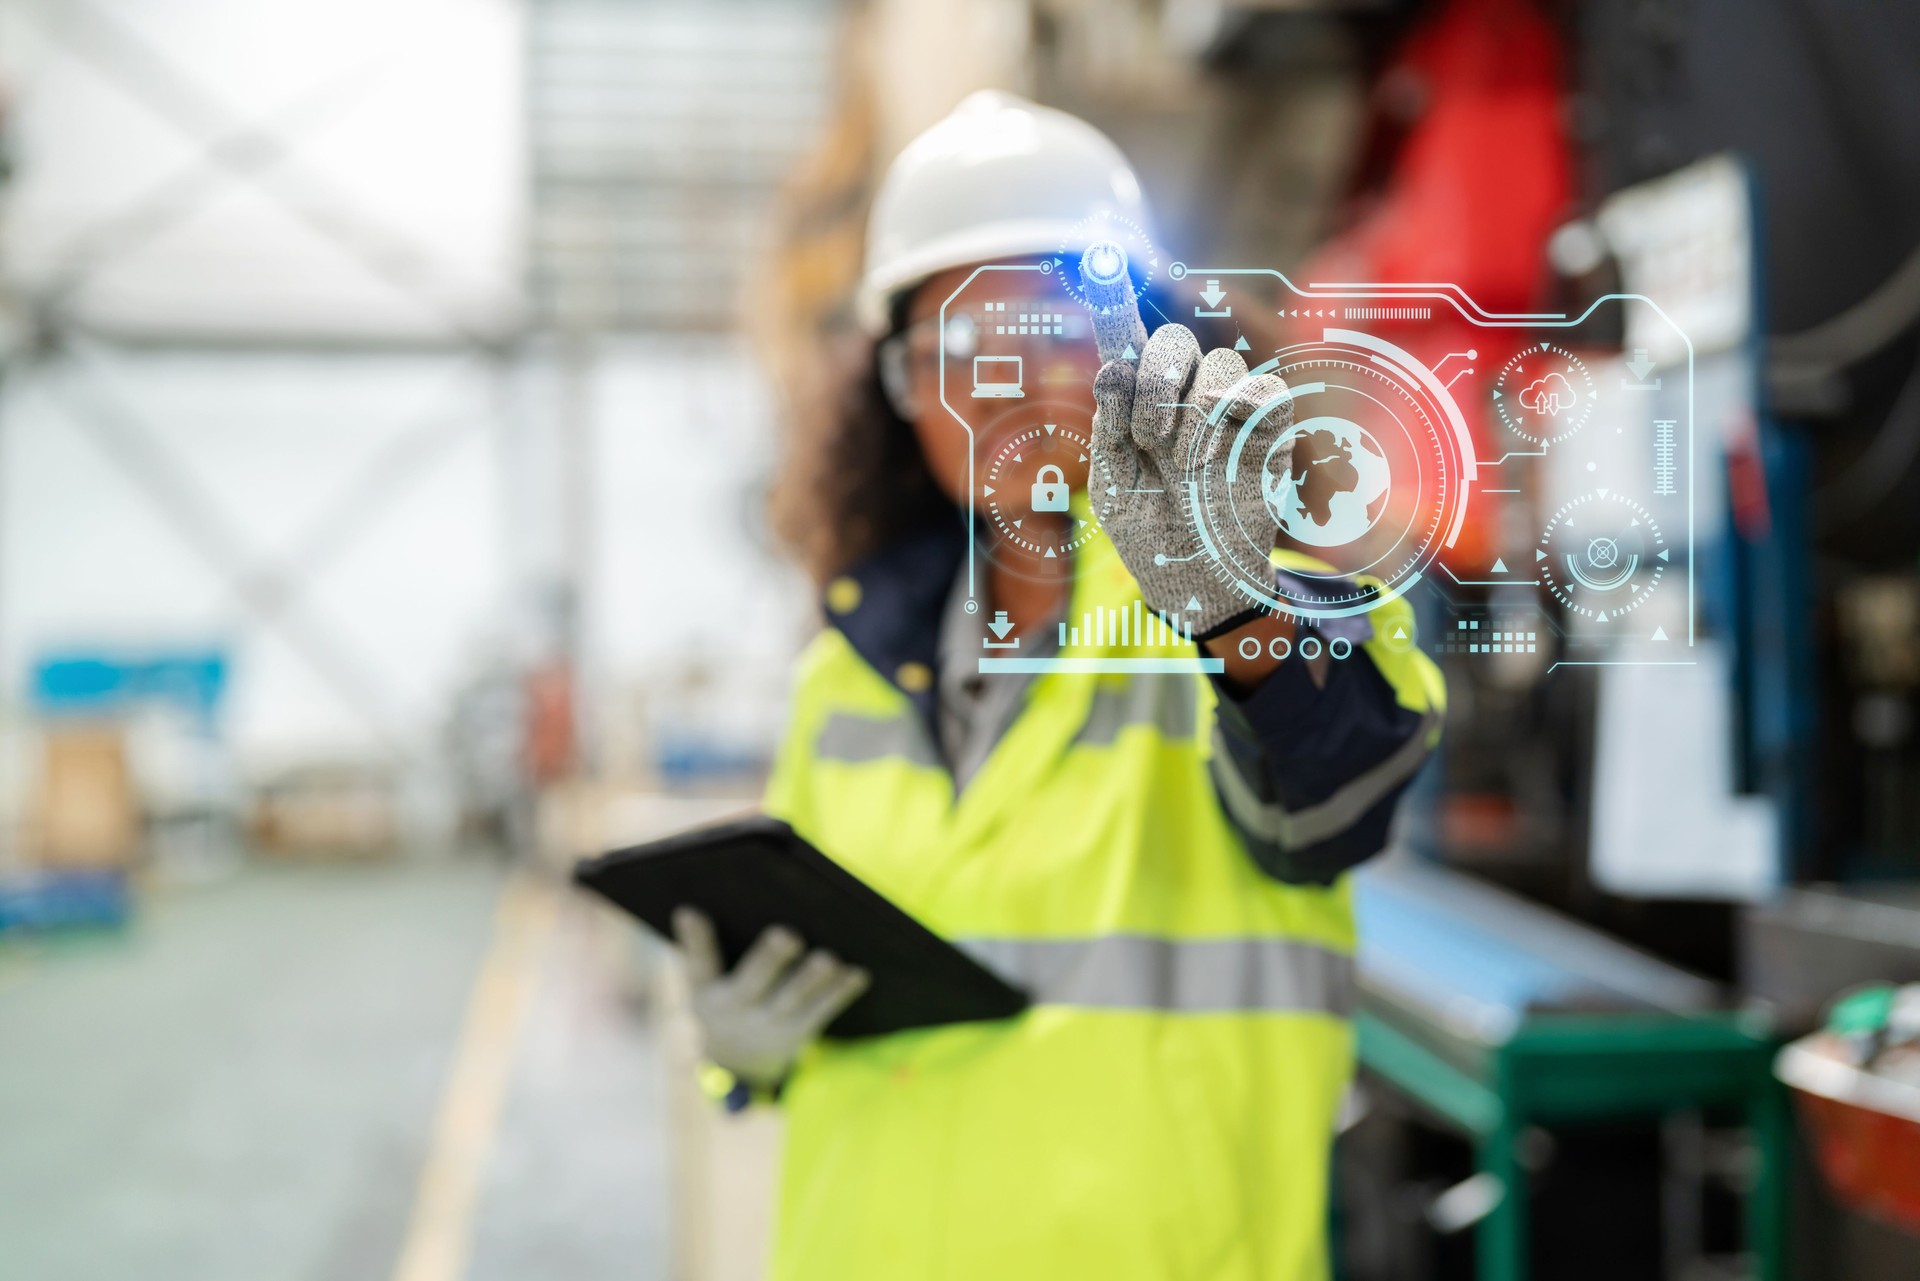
column 856, row 740
column 1170, row 704
column 1179, row 976
column 1309, row 826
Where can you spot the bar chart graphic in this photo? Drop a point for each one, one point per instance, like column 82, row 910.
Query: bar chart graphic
column 1129, row 638
column 1129, row 625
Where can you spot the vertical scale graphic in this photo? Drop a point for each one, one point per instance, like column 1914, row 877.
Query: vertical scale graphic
column 1663, row 456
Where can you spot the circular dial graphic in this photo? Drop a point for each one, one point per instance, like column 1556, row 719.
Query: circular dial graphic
column 1602, row 555
column 1027, row 492
column 1140, row 261
column 1367, row 478
column 1544, row 394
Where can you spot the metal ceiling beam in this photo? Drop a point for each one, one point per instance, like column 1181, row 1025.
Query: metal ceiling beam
column 203, row 120
column 169, row 202
column 190, row 509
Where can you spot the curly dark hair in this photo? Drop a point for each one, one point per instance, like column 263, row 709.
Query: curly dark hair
column 852, row 478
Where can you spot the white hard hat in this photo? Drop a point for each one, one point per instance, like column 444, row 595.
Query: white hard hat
column 999, row 177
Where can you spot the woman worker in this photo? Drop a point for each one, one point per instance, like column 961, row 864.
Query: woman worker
column 1157, row 858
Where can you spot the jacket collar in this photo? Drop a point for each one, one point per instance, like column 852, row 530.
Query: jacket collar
column 889, row 605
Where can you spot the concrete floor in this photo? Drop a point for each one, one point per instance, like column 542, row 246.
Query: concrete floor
column 248, row 1084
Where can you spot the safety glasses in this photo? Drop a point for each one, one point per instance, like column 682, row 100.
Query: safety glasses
column 917, row 346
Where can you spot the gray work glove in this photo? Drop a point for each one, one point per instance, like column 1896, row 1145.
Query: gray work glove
column 1149, row 412
column 755, row 1019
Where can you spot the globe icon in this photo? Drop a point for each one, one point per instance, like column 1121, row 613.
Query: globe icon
column 1335, row 488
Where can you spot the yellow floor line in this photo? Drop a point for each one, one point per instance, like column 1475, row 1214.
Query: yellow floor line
column 13, row 971
column 440, row 1230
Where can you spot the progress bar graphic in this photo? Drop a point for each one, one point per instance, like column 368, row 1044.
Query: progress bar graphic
column 1389, row 313
column 1105, row 664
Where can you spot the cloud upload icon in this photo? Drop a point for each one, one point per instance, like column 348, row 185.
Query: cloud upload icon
column 1549, row 397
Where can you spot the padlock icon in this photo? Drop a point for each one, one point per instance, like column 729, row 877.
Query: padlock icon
column 1050, row 495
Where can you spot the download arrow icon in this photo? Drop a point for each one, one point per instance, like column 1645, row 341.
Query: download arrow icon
column 1213, row 293
column 1641, row 364
column 999, row 626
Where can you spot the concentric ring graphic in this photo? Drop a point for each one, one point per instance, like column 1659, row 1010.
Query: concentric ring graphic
column 1371, row 478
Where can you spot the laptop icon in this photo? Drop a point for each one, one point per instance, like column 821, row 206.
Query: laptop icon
column 996, row 378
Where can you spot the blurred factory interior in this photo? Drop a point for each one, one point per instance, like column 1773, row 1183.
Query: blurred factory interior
column 389, row 396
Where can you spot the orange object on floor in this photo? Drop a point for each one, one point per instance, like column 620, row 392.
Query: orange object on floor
column 1864, row 1129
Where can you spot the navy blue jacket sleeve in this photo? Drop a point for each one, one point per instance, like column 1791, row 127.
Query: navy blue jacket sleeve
column 1310, row 774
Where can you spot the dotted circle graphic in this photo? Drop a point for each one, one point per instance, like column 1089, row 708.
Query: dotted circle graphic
column 1039, row 539
column 1143, row 258
column 1544, row 394
column 1602, row 555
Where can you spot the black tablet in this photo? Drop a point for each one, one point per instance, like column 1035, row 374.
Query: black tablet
column 754, row 872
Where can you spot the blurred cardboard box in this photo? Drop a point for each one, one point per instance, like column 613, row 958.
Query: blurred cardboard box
column 329, row 812
column 87, row 812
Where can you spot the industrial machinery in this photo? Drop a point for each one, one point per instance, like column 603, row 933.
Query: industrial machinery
column 1629, row 886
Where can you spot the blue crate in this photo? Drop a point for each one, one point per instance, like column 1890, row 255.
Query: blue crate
column 59, row 900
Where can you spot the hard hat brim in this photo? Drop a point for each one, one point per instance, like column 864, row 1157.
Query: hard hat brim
column 990, row 243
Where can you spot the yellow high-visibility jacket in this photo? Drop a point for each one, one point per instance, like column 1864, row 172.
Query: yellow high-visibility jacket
column 1167, row 1107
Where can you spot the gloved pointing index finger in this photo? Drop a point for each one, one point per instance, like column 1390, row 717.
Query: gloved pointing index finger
column 1109, row 293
